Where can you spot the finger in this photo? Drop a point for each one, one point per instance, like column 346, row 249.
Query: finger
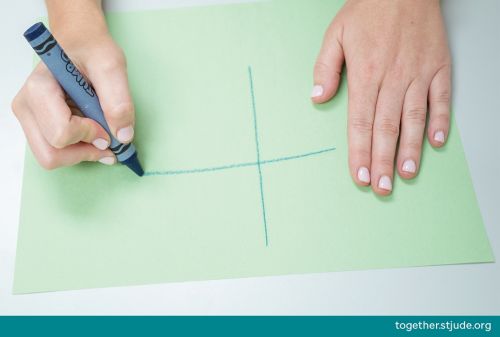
column 50, row 157
column 412, row 129
column 362, row 100
column 385, row 136
column 111, row 84
column 57, row 123
column 328, row 67
column 439, row 107
column 80, row 152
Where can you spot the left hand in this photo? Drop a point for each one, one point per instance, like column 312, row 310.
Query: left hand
column 398, row 68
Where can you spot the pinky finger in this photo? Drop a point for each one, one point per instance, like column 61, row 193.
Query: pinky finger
column 439, row 107
column 80, row 152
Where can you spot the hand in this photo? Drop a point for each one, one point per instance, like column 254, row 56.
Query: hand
column 398, row 67
column 56, row 131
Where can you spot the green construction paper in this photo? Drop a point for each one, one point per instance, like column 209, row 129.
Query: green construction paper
column 206, row 82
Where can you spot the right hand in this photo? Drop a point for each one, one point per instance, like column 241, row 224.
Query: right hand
column 56, row 132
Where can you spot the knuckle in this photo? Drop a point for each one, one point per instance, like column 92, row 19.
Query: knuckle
column 368, row 67
column 15, row 105
column 416, row 113
column 442, row 118
column 114, row 62
column 321, row 67
column 388, row 127
column 123, row 111
column 32, row 84
column 368, row 70
column 384, row 161
column 48, row 160
column 397, row 73
column 400, row 74
column 361, row 124
column 413, row 146
column 93, row 155
column 361, row 154
column 441, row 96
column 37, row 88
column 59, row 137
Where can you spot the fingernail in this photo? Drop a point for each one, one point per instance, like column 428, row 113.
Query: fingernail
column 317, row 91
column 107, row 160
column 385, row 183
column 100, row 143
column 126, row 134
column 364, row 175
column 409, row 166
column 439, row 136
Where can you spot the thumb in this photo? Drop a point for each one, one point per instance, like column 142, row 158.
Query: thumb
column 107, row 70
column 328, row 67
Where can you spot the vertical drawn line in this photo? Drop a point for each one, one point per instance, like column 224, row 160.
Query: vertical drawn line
column 257, row 146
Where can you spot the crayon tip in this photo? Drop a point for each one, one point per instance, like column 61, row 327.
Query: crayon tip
column 133, row 164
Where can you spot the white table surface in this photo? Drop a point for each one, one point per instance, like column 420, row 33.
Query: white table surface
column 474, row 31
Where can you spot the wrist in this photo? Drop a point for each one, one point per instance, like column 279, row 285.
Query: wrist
column 77, row 23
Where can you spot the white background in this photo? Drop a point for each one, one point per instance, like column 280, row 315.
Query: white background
column 474, row 30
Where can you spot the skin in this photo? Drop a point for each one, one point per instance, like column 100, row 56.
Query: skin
column 398, row 70
column 56, row 131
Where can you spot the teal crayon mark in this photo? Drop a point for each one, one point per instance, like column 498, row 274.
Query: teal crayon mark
column 198, row 170
column 257, row 147
column 298, row 156
column 258, row 163
column 236, row 165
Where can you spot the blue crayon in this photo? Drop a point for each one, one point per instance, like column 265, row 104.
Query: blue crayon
column 77, row 87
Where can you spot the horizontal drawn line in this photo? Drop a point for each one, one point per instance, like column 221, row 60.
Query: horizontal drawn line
column 237, row 165
column 298, row 156
column 199, row 170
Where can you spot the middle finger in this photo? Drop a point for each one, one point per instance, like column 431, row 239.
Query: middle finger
column 385, row 135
